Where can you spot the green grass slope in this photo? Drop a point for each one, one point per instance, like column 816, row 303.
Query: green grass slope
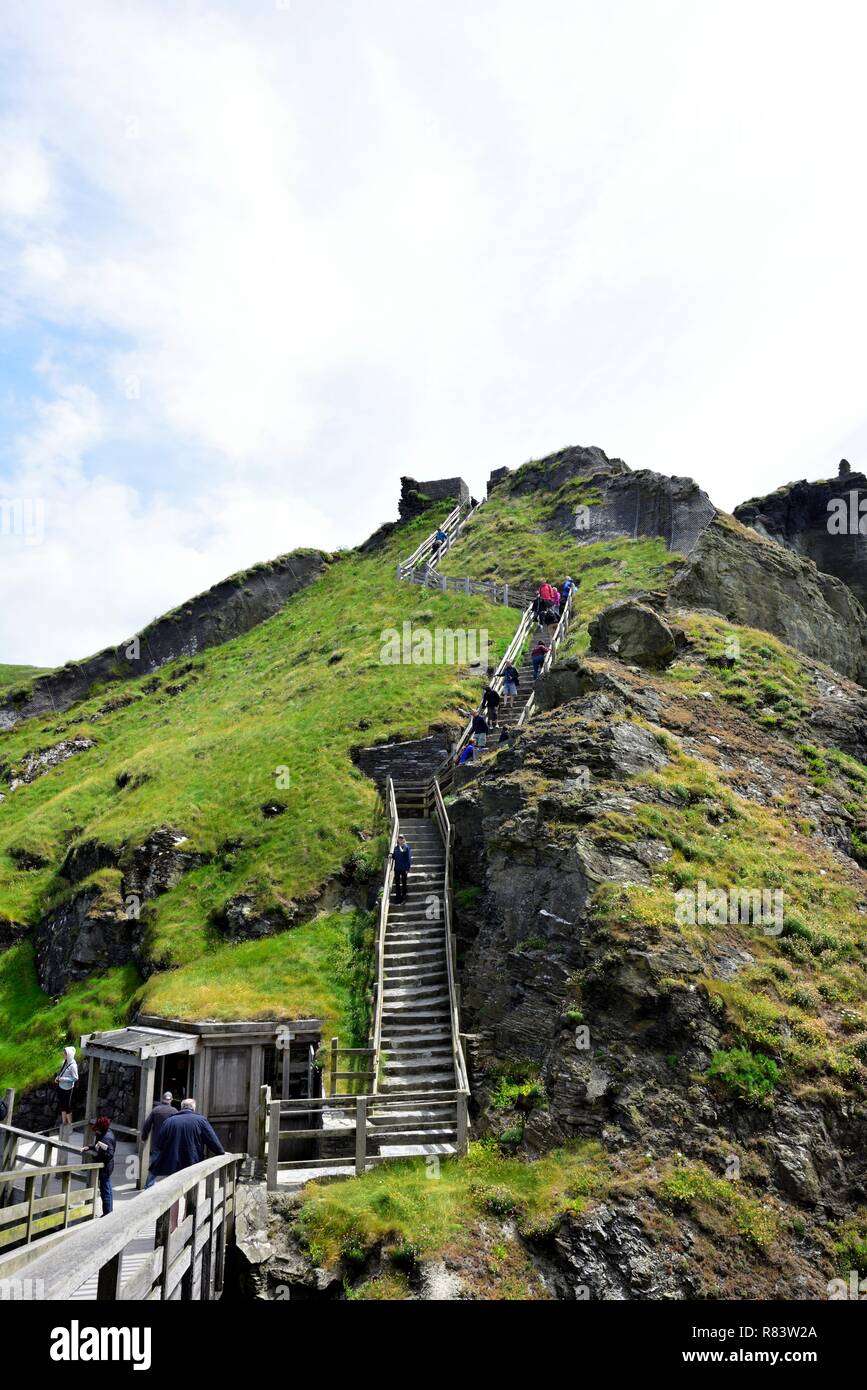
column 203, row 746
column 11, row 677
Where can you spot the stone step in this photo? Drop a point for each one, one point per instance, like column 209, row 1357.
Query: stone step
column 435, row 1012
column 417, row 1150
column 396, row 957
column 407, row 1035
column 413, row 975
column 395, row 994
column 437, row 1117
column 433, row 1081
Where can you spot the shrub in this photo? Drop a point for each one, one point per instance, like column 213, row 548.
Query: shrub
column 748, row 1075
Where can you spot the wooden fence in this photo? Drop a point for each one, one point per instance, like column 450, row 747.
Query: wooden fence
column 428, row 554
column 354, row 1135
column 189, row 1218
column 41, row 1212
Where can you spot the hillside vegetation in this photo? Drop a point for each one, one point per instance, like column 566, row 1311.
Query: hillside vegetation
column 244, row 751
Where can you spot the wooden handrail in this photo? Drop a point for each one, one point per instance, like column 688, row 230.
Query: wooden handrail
column 388, row 876
column 445, row 829
column 22, row 1174
column 45, row 1139
column 560, row 633
column 194, row 1251
column 450, row 526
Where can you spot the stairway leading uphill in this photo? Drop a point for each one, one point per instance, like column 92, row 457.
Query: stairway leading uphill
column 416, row 1050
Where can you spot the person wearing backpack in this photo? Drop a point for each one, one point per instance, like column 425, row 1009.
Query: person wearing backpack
column 511, row 681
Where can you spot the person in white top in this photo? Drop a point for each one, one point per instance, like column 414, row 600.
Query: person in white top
column 66, row 1081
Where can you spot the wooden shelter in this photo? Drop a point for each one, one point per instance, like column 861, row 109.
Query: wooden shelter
column 221, row 1065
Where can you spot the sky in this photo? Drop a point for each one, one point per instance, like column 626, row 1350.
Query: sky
column 260, row 258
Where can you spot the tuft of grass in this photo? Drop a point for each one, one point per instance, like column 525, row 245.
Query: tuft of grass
column 748, row 1075
column 320, row 969
column 692, row 1187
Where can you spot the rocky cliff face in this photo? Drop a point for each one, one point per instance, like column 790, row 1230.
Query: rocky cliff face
column 223, row 612
column 825, row 521
column 767, row 586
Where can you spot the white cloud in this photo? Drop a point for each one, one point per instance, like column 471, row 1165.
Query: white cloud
column 25, row 179
column 277, row 261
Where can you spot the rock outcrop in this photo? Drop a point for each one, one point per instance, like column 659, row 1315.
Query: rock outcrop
column 634, row 632
column 756, row 582
column 824, row 521
column 86, row 935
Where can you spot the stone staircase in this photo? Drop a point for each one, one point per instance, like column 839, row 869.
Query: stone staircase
column 416, row 1053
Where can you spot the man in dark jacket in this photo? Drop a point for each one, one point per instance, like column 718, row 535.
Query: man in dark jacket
column 102, row 1151
column 184, row 1138
column 481, row 729
column 402, row 858
column 152, row 1127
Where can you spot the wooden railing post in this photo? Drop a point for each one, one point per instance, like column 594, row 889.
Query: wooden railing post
column 161, row 1242
column 30, row 1197
column 109, row 1279
column 360, row 1134
column 9, row 1097
column 461, row 1137
column 332, row 1087
column 273, row 1145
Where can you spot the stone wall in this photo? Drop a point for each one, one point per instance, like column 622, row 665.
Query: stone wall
column 416, row 760
column 415, row 496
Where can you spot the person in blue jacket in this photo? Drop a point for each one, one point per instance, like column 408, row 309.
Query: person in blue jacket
column 565, row 590
column 184, row 1138
column 102, row 1151
column 402, row 857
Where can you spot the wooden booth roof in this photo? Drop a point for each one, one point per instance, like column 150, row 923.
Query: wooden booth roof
column 136, row 1044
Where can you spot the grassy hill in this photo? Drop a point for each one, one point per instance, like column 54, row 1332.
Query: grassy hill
column 266, row 720
column 12, row 677
column 245, row 752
